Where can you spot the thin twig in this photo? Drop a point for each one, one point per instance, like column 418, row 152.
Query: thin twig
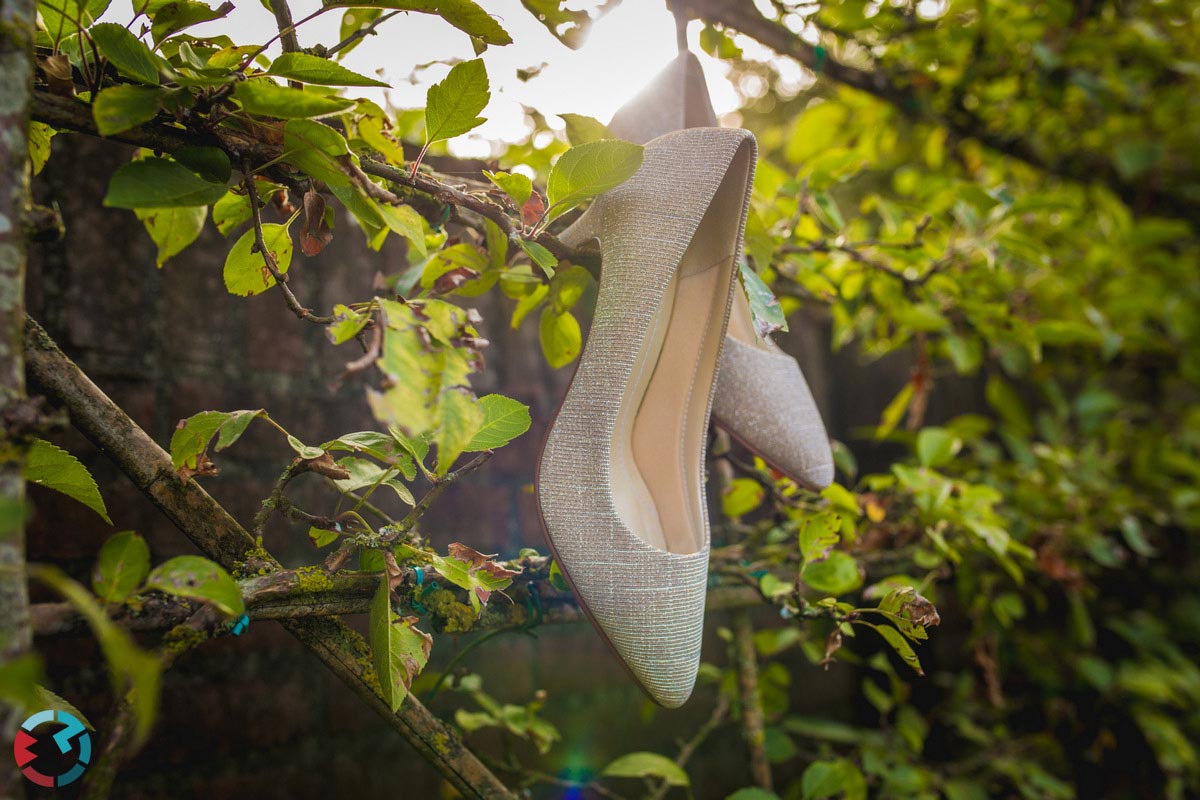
column 364, row 31
column 269, row 256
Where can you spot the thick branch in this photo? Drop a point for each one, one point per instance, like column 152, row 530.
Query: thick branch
column 16, row 86
column 220, row 537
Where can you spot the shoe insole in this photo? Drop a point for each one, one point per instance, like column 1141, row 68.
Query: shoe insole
column 658, row 453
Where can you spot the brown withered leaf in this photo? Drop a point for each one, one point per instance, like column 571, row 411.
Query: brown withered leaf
column 833, row 643
column 316, row 233
column 325, row 465
column 449, row 281
column 478, row 560
column 203, row 469
column 57, row 69
column 922, row 612
column 533, row 209
column 395, row 574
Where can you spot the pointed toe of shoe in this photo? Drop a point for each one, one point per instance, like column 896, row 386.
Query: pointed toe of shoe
column 658, row 633
column 647, row 603
column 763, row 400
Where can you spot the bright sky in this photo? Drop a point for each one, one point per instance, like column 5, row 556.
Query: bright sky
column 623, row 51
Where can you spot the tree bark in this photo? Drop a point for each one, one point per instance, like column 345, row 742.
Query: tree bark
column 16, row 88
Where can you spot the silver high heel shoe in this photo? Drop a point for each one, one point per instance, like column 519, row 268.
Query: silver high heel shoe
column 761, row 396
column 620, row 481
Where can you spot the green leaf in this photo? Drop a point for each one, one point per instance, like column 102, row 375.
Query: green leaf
column 405, row 221
column 514, row 184
column 560, row 337
column 568, row 286
column 172, row 229
column 197, row 578
column 303, row 450
column 582, row 129
column 647, row 765
column 305, row 68
column 827, row 211
column 504, row 419
column 752, row 793
column 176, row 16
column 192, row 435
column 40, row 135
column 64, row 17
column 828, row 779
column 589, row 170
column 895, row 411
column 126, row 52
column 246, row 273
column 121, row 567
column 51, row 466
column 452, row 106
column 230, row 211
column 836, row 575
column 469, row 569
column 899, row 644
column 265, row 97
column 539, row 255
column 818, row 535
column 364, row 473
column 119, row 108
column 321, row 537
column 460, row 417
column 937, row 446
column 470, row 18
column 20, row 677
column 317, row 150
column 210, row 163
column 347, row 323
column 399, row 650
column 1002, row 397
column 355, row 20
column 765, row 309
column 159, row 183
column 135, row 674
column 741, row 496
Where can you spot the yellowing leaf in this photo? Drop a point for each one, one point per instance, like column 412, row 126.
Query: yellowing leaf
column 246, row 272
column 398, row 649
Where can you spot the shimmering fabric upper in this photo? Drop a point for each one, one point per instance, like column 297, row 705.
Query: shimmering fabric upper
column 648, row 602
column 763, row 399
column 761, row 395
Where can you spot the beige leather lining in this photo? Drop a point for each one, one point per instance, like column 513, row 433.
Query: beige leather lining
column 657, row 451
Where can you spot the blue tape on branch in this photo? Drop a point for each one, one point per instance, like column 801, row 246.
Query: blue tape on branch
column 820, row 65
column 240, row 625
column 420, row 575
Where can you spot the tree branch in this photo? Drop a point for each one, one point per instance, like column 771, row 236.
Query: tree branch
column 219, row 536
column 899, row 89
column 16, row 86
column 753, row 728
column 70, row 114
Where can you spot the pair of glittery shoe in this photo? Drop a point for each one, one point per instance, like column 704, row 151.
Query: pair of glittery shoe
column 620, row 480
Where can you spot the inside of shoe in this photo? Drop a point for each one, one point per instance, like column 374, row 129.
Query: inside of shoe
column 657, row 457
